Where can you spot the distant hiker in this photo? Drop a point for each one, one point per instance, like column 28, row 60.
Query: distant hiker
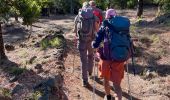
column 97, row 12
column 85, row 28
column 113, row 52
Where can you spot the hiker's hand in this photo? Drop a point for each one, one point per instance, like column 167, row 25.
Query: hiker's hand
column 97, row 56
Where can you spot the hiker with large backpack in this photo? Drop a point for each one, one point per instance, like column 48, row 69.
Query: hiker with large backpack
column 113, row 45
column 97, row 12
column 85, row 32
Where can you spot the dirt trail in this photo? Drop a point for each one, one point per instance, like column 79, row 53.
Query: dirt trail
column 140, row 89
column 76, row 92
column 157, row 88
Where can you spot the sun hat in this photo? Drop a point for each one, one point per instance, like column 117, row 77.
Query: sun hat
column 110, row 13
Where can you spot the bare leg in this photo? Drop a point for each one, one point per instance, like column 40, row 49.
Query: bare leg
column 118, row 91
column 107, row 86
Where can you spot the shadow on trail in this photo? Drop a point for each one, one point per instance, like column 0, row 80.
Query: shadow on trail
column 161, row 70
column 29, row 82
column 152, row 62
column 4, row 98
column 124, row 94
column 97, row 92
column 14, row 33
column 72, row 47
column 127, row 96
column 60, row 17
column 157, row 26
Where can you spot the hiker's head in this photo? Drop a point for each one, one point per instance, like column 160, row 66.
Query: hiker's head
column 85, row 5
column 92, row 3
column 110, row 13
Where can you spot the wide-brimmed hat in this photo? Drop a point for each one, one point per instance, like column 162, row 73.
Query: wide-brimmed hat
column 110, row 13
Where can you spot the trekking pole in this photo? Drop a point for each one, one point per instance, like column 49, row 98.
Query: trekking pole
column 129, row 90
column 74, row 44
column 97, row 73
column 132, row 58
column 73, row 63
column 94, row 84
column 96, row 62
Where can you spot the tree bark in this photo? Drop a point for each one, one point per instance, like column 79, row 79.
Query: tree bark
column 122, row 4
column 71, row 6
column 2, row 50
column 159, row 10
column 16, row 17
column 30, row 32
column 140, row 8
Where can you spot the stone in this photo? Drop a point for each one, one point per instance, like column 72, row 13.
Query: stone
column 9, row 47
column 37, row 45
column 38, row 66
column 17, row 88
column 48, row 56
column 32, row 59
column 150, row 74
column 13, row 79
column 23, row 45
column 40, row 35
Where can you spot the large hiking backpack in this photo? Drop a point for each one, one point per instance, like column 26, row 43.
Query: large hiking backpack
column 97, row 13
column 85, row 23
column 117, row 39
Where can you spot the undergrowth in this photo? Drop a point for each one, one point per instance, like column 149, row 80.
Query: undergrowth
column 15, row 70
column 52, row 43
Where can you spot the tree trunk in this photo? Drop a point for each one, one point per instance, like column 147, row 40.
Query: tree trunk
column 30, row 32
column 2, row 51
column 140, row 8
column 16, row 17
column 159, row 10
column 71, row 6
column 122, row 4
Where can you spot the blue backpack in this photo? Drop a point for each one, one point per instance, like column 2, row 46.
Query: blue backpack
column 117, row 39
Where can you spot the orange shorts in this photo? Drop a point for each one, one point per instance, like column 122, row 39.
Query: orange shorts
column 113, row 71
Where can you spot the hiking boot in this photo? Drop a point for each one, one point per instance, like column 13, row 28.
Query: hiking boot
column 85, row 83
column 108, row 97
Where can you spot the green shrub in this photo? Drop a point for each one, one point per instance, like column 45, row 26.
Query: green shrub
column 36, row 95
column 131, row 3
column 16, row 70
column 29, row 10
column 52, row 43
column 154, row 38
column 5, row 92
column 164, row 4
